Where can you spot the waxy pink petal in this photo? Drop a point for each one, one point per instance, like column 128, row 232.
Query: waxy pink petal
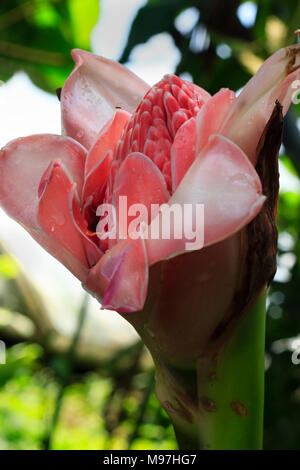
column 141, row 182
column 183, row 151
column 127, row 289
column 225, row 182
column 252, row 109
column 24, row 161
column 54, row 212
column 107, row 140
column 212, row 115
column 121, row 277
column 92, row 252
column 93, row 91
column 95, row 183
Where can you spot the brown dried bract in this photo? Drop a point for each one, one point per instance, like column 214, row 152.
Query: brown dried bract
column 262, row 231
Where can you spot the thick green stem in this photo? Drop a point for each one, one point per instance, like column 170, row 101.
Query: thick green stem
column 233, row 400
column 223, row 410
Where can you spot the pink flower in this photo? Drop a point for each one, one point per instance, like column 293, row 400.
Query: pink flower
column 172, row 143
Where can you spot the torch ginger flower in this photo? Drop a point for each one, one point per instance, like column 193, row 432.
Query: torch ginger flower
column 173, row 143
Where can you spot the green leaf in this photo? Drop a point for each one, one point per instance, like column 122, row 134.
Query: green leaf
column 45, row 15
column 83, row 16
column 289, row 165
column 37, row 37
column 9, row 269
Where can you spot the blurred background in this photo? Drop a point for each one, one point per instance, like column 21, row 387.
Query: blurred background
column 77, row 377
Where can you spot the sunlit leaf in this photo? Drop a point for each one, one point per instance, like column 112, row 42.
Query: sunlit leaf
column 9, row 269
column 289, row 164
column 83, row 15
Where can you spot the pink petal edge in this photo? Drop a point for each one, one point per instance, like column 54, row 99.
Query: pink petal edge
column 54, row 213
column 23, row 163
column 221, row 165
column 93, row 91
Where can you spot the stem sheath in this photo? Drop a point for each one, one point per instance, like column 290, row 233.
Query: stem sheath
column 231, row 399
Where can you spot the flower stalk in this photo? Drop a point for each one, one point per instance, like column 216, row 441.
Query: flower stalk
column 234, row 419
column 216, row 402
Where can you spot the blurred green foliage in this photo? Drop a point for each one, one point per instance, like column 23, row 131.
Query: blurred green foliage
column 100, row 410
column 37, row 35
column 8, row 267
column 113, row 406
column 282, row 396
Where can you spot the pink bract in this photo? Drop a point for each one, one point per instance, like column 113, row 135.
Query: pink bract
column 169, row 144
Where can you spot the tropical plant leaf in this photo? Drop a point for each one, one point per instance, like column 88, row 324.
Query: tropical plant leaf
column 37, row 35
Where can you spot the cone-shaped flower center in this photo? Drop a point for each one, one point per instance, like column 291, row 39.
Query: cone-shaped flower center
column 153, row 127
